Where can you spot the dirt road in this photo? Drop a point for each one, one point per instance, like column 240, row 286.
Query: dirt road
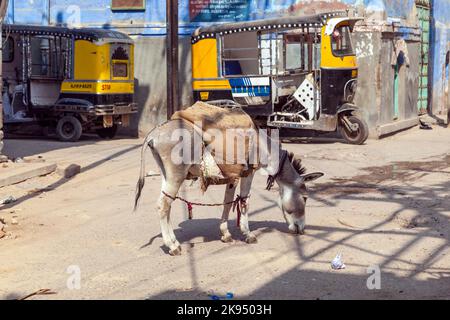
column 384, row 205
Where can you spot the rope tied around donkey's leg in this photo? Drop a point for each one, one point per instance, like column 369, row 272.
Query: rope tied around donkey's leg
column 237, row 205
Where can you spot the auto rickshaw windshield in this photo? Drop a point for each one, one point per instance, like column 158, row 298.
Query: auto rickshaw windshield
column 341, row 41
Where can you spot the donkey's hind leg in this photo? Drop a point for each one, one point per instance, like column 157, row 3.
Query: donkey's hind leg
column 229, row 195
column 246, row 184
column 164, row 208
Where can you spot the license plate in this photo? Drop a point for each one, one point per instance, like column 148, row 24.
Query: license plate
column 126, row 120
column 108, row 121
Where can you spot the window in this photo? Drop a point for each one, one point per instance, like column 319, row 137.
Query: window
column 127, row 4
column 50, row 56
column 341, row 42
column 293, row 53
column 8, row 49
column 119, row 61
column 42, row 49
column 239, row 54
column 120, row 69
column 302, row 52
column 271, row 61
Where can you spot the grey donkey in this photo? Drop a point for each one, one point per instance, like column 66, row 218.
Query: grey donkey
column 282, row 168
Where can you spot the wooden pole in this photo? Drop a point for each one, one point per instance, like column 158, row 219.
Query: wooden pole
column 3, row 9
column 172, row 56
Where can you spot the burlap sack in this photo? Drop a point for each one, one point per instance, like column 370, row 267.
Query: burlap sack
column 227, row 133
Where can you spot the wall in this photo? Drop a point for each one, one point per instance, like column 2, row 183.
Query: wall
column 150, row 74
column 148, row 29
column 3, row 7
column 441, row 39
column 375, row 48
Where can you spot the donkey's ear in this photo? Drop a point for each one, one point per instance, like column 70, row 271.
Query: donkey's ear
column 312, row 176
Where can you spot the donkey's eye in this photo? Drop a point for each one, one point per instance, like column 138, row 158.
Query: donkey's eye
column 305, row 198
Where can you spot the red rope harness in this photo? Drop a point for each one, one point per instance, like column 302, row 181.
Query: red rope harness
column 238, row 205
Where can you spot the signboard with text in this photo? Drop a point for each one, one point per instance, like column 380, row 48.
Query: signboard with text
column 218, row 10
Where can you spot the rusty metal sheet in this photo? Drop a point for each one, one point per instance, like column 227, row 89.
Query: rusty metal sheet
column 127, row 4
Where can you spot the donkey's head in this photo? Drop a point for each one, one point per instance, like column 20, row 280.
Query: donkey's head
column 293, row 193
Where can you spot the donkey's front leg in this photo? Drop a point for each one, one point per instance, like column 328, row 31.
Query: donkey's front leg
column 246, row 184
column 229, row 195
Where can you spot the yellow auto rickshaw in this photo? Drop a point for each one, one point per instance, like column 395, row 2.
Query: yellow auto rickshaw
column 292, row 73
column 68, row 81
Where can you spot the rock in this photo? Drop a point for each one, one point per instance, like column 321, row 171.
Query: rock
column 69, row 171
column 8, row 200
column 3, row 159
column 152, row 173
column 2, row 225
column 14, row 221
column 37, row 159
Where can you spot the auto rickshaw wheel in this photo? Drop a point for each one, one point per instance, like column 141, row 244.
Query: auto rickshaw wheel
column 358, row 136
column 107, row 133
column 69, row 129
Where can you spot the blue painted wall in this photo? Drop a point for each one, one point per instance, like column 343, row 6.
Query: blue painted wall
column 151, row 21
column 440, row 39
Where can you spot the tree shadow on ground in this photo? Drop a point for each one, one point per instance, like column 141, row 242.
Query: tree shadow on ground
column 399, row 187
column 316, row 285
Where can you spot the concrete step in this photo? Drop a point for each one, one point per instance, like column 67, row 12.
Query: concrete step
column 12, row 173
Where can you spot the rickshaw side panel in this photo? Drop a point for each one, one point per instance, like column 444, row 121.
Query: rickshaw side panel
column 205, row 59
column 91, row 62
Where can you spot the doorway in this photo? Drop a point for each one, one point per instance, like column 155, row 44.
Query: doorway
column 396, row 91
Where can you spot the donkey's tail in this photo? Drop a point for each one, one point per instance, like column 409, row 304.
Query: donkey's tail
column 148, row 142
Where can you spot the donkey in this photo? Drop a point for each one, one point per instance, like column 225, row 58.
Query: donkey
column 282, row 168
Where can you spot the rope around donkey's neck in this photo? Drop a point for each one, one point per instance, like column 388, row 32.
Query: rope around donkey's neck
column 238, row 204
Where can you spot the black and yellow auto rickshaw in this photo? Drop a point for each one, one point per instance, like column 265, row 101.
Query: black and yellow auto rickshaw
column 288, row 73
column 68, row 81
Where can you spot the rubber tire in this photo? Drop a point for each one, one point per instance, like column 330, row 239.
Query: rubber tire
column 107, row 133
column 362, row 134
column 74, row 135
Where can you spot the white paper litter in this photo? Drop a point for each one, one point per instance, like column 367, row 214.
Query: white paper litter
column 337, row 263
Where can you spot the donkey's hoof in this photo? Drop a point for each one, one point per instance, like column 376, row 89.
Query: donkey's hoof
column 227, row 238
column 175, row 252
column 251, row 239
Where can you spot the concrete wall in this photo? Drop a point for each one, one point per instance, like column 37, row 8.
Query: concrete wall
column 375, row 47
column 150, row 73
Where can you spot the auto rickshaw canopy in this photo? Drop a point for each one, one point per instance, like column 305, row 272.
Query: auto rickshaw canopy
column 89, row 34
column 289, row 22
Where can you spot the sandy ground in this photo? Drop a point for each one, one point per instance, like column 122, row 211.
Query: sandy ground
column 385, row 204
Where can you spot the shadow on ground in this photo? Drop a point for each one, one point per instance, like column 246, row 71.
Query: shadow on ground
column 307, row 284
column 427, row 207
